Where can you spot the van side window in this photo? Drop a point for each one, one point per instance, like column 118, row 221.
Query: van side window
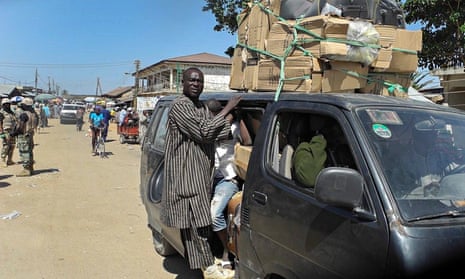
column 305, row 143
column 160, row 135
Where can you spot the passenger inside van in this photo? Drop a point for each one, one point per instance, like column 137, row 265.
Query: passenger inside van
column 225, row 184
column 310, row 142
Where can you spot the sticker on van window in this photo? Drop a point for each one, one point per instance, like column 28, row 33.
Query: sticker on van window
column 382, row 131
column 384, row 116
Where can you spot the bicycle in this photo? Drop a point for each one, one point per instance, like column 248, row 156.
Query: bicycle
column 100, row 143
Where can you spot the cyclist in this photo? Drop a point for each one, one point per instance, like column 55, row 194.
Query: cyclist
column 96, row 121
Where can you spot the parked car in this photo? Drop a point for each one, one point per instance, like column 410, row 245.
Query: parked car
column 68, row 113
column 367, row 215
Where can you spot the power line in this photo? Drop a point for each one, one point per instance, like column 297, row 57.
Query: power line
column 77, row 66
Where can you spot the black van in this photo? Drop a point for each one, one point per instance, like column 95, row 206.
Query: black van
column 389, row 201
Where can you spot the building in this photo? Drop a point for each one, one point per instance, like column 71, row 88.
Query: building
column 452, row 81
column 165, row 76
column 122, row 94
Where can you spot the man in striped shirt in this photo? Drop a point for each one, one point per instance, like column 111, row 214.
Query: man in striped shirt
column 189, row 162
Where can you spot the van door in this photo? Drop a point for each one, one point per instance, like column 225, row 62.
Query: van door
column 152, row 158
column 284, row 229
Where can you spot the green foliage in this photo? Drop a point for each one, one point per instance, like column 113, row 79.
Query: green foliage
column 443, row 26
column 420, row 80
column 225, row 12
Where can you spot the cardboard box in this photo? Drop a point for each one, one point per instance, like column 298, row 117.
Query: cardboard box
column 403, row 62
column 251, row 69
column 340, row 33
column 313, row 26
column 378, row 83
column 236, row 81
column 241, row 159
column 387, row 35
column 332, row 50
column 283, row 36
column 383, row 60
column 336, row 27
column 343, row 76
column 243, row 26
column 259, row 25
column 297, row 69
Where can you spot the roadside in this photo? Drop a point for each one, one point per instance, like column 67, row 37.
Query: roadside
column 78, row 216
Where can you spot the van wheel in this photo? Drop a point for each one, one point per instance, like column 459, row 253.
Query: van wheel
column 162, row 247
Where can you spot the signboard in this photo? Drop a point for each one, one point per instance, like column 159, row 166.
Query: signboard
column 146, row 103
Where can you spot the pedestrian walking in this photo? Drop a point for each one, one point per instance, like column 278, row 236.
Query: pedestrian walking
column 106, row 121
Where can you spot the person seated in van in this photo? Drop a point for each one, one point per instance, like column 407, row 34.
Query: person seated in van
column 424, row 160
column 309, row 159
column 225, row 183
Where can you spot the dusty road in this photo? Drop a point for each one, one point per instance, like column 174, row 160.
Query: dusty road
column 79, row 216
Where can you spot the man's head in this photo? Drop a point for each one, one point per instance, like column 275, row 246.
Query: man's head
column 6, row 102
column 192, row 82
column 27, row 102
column 98, row 109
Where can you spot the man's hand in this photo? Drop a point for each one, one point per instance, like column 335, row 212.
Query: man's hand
column 23, row 117
column 232, row 103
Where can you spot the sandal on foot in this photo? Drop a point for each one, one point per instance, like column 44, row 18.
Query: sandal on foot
column 226, row 264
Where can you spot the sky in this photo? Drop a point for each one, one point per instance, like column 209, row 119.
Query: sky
column 87, row 46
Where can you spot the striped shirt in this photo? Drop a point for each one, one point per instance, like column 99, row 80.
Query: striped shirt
column 189, row 161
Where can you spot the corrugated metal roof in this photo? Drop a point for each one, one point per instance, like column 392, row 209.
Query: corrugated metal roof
column 199, row 58
column 6, row 89
column 117, row 92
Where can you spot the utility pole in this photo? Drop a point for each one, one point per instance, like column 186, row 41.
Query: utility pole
column 98, row 88
column 136, row 84
column 35, row 82
column 49, row 89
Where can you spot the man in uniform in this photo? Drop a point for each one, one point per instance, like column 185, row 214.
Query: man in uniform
column 27, row 118
column 7, row 127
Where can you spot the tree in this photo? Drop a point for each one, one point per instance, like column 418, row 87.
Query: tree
column 443, row 27
column 225, row 12
column 420, row 80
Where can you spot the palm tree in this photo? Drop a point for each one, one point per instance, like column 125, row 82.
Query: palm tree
column 420, row 80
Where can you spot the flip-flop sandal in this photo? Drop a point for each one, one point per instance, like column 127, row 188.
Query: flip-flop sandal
column 226, row 264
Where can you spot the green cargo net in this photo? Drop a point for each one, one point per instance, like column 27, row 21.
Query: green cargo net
column 298, row 43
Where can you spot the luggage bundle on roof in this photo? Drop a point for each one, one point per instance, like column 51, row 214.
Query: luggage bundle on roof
column 326, row 49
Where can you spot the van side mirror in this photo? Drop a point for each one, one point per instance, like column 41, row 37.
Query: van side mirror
column 340, row 187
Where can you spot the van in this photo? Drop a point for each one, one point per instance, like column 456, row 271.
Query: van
column 68, row 113
column 388, row 202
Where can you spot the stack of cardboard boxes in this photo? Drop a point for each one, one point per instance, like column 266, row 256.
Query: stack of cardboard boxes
column 323, row 53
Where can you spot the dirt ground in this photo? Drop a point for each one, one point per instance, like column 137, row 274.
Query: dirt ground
column 78, row 216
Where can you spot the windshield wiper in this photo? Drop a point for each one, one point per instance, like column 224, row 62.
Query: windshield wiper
column 450, row 213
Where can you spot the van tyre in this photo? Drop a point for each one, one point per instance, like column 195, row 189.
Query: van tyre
column 161, row 245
